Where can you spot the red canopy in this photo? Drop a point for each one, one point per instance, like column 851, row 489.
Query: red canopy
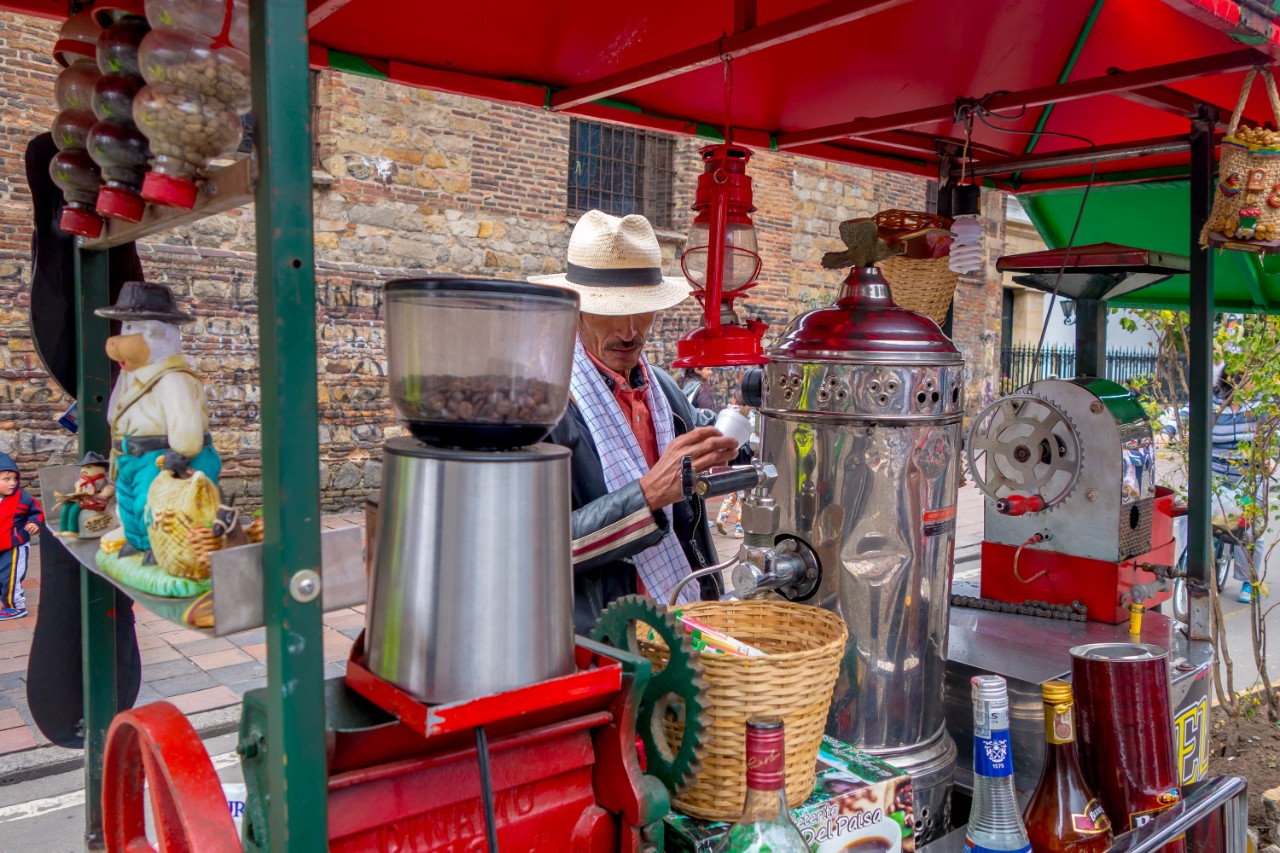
column 869, row 82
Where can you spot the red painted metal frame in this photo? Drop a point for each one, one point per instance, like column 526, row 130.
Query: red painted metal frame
column 155, row 744
column 781, row 31
column 1100, row 586
column 596, row 676
column 1108, row 84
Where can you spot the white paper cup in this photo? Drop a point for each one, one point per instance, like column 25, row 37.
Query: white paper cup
column 734, row 424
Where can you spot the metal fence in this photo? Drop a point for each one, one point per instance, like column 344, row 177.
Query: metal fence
column 1018, row 365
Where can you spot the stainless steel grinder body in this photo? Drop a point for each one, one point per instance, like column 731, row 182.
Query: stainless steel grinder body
column 472, row 584
column 861, row 415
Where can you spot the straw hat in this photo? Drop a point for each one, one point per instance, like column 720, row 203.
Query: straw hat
column 615, row 265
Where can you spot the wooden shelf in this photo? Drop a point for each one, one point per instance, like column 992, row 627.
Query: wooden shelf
column 225, row 189
column 236, row 572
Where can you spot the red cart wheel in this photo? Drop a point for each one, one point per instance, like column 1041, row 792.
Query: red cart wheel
column 156, row 744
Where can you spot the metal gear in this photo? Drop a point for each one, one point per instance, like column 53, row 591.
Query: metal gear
column 678, row 690
column 1025, row 443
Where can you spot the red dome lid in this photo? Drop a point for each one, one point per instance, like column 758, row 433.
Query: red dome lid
column 864, row 323
column 169, row 191
column 121, row 203
column 82, row 223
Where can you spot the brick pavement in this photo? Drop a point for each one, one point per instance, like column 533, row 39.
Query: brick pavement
column 199, row 673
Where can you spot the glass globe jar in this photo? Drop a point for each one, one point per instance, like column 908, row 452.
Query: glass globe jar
column 186, row 131
column 75, row 173
column 72, row 170
column 197, row 71
column 115, row 143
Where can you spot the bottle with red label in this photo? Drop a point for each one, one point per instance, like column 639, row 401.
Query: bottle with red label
column 1063, row 812
column 766, row 823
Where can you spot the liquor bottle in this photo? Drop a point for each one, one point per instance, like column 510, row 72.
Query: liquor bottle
column 994, row 821
column 765, row 824
column 1063, row 813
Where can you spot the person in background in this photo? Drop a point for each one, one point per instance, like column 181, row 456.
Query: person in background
column 697, row 388
column 630, row 428
column 1235, row 425
column 20, row 519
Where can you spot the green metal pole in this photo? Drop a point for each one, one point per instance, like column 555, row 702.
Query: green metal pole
column 1200, row 380
column 290, row 433
column 97, row 597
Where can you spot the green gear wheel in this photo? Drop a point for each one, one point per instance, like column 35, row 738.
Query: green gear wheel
column 679, row 689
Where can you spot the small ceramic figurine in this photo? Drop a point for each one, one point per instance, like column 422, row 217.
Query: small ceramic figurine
column 84, row 511
column 159, row 422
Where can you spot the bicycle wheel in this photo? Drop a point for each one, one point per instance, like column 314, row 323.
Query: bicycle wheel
column 1224, row 555
column 1181, row 610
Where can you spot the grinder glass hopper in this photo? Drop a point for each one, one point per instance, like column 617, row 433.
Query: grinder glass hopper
column 479, row 364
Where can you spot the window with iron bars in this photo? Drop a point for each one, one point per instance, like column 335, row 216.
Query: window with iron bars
column 620, row 171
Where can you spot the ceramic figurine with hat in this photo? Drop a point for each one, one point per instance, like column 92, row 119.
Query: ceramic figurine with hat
column 159, row 425
column 84, row 512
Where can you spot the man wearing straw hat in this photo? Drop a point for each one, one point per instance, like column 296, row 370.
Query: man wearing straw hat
column 629, row 426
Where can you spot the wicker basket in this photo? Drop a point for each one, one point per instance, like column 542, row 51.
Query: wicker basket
column 804, row 646
column 1246, row 206
column 923, row 285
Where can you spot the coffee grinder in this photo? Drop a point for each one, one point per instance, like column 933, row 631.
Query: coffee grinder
column 471, row 590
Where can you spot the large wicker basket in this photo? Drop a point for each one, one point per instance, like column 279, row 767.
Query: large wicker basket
column 795, row 681
column 923, row 285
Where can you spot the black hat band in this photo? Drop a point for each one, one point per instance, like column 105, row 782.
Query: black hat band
column 626, row 277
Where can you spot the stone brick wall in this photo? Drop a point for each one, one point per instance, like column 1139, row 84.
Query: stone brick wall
column 408, row 181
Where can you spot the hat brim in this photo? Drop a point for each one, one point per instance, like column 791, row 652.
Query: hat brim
column 125, row 315
column 621, row 301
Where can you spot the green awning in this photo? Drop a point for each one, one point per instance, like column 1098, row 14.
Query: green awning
column 1155, row 216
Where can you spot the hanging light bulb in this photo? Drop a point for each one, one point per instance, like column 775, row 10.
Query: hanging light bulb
column 722, row 260
column 966, row 250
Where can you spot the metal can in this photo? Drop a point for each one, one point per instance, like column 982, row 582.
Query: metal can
column 1126, row 743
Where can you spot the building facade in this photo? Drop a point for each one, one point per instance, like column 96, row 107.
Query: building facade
column 409, row 182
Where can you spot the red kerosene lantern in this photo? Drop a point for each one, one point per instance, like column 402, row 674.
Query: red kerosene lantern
column 721, row 261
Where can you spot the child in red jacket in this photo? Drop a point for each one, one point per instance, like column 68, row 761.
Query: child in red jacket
column 20, row 518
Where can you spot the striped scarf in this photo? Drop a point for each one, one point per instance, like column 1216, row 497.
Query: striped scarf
column 661, row 566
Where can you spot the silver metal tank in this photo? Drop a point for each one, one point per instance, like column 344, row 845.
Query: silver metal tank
column 457, row 611
column 861, row 410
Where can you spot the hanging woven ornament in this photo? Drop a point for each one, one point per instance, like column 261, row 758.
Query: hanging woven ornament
column 1246, row 205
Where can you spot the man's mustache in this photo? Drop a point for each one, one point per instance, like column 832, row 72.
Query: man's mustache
column 625, row 344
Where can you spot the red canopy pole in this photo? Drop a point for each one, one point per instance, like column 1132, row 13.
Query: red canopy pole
column 715, row 261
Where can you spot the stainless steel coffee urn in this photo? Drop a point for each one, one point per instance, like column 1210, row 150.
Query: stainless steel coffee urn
column 860, row 414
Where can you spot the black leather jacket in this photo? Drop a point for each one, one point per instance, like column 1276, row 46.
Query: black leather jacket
column 609, row 527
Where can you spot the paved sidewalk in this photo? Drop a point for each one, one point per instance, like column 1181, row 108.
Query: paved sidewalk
column 198, row 673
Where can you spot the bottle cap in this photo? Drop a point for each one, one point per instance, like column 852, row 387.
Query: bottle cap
column 1056, row 693
column 766, row 754
column 989, row 688
column 82, row 223
column 169, row 191
column 120, row 203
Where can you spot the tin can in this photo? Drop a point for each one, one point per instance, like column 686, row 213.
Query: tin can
column 1125, row 730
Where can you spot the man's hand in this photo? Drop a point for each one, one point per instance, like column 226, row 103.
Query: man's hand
column 32, row 528
column 663, row 485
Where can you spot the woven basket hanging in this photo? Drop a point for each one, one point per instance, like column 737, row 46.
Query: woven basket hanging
column 923, row 285
column 794, row 681
column 1246, row 205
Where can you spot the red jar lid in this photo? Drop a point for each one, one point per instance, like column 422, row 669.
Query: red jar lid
column 168, row 191
column 120, row 203
column 82, row 223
